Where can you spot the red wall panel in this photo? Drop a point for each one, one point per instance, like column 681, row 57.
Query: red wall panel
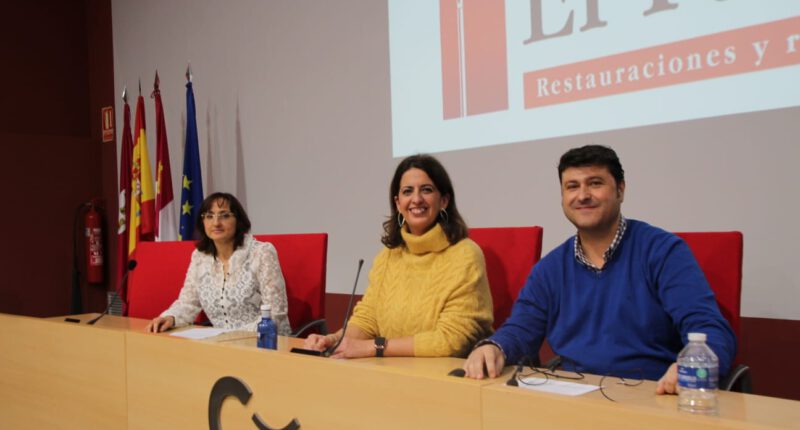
column 50, row 135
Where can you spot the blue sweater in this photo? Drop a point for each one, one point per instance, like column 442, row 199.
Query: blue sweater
column 635, row 314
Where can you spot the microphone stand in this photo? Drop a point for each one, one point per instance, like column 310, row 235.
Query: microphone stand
column 512, row 381
column 131, row 266
column 330, row 350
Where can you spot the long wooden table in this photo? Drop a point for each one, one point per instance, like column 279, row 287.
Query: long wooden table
column 634, row 408
column 61, row 376
column 113, row 375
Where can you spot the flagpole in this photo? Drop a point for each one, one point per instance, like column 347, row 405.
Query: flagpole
column 166, row 223
column 192, row 178
column 123, row 217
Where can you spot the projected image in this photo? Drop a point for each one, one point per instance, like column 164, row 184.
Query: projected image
column 472, row 73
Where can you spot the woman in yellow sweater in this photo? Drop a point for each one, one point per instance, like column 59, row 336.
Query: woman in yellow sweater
column 428, row 295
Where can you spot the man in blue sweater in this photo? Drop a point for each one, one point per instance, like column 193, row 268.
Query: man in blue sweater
column 619, row 295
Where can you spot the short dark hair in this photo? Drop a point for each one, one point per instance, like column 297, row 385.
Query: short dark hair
column 204, row 243
column 454, row 226
column 592, row 155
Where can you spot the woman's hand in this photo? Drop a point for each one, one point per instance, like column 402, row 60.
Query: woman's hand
column 357, row 344
column 355, row 348
column 318, row 342
column 160, row 324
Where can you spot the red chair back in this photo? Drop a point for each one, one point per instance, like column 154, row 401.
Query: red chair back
column 158, row 277
column 719, row 255
column 304, row 259
column 162, row 267
column 510, row 253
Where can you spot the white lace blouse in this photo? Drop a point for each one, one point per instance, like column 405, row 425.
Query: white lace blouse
column 234, row 301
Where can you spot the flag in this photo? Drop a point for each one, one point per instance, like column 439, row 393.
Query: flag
column 124, row 193
column 192, row 180
column 142, row 196
column 166, row 224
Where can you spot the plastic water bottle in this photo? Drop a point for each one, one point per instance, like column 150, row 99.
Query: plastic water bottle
column 698, row 376
column 267, row 331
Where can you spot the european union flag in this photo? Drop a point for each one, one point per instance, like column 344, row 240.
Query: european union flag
column 192, row 181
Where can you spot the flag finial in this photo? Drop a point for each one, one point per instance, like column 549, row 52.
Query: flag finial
column 189, row 72
column 125, row 93
column 156, row 82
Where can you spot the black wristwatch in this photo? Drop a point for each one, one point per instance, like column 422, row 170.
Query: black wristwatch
column 380, row 345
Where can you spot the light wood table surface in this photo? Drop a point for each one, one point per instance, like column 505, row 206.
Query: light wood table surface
column 113, row 375
column 61, row 376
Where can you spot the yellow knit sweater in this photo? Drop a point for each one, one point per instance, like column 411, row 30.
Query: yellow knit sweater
column 429, row 289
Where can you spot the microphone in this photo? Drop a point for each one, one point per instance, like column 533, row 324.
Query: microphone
column 131, row 266
column 330, row 350
column 512, row 381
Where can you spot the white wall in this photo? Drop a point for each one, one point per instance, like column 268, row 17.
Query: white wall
column 294, row 117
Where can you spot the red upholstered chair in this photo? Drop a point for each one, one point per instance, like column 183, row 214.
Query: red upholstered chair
column 304, row 259
column 162, row 266
column 510, row 253
column 719, row 255
column 158, row 277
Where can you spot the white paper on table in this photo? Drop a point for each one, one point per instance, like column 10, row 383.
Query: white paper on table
column 200, row 333
column 557, row 387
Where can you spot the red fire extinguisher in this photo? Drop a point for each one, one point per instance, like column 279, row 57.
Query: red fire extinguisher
column 93, row 246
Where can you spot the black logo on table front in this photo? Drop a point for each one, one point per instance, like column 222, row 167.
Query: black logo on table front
column 230, row 386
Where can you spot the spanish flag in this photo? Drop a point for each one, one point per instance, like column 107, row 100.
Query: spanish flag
column 142, row 194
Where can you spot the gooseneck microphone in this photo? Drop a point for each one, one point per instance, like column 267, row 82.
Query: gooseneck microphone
column 131, row 266
column 330, row 350
column 333, row 347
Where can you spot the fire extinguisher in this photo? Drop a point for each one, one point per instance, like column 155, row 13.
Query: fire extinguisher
column 93, row 245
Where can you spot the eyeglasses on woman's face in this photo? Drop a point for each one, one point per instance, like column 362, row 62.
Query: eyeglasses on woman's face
column 222, row 216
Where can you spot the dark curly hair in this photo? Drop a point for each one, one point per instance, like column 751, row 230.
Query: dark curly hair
column 454, row 226
column 204, row 243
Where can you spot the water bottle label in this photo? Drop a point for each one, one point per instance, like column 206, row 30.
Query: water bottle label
column 267, row 334
column 698, row 377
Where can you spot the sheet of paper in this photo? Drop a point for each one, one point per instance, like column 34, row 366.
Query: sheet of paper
column 557, row 387
column 200, row 333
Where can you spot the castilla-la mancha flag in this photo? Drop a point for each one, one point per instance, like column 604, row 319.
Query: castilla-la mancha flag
column 143, row 214
column 166, row 227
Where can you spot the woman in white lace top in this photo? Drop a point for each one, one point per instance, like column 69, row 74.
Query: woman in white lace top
column 230, row 275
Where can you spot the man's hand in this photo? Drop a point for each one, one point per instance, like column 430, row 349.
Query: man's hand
column 487, row 357
column 668, row 384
